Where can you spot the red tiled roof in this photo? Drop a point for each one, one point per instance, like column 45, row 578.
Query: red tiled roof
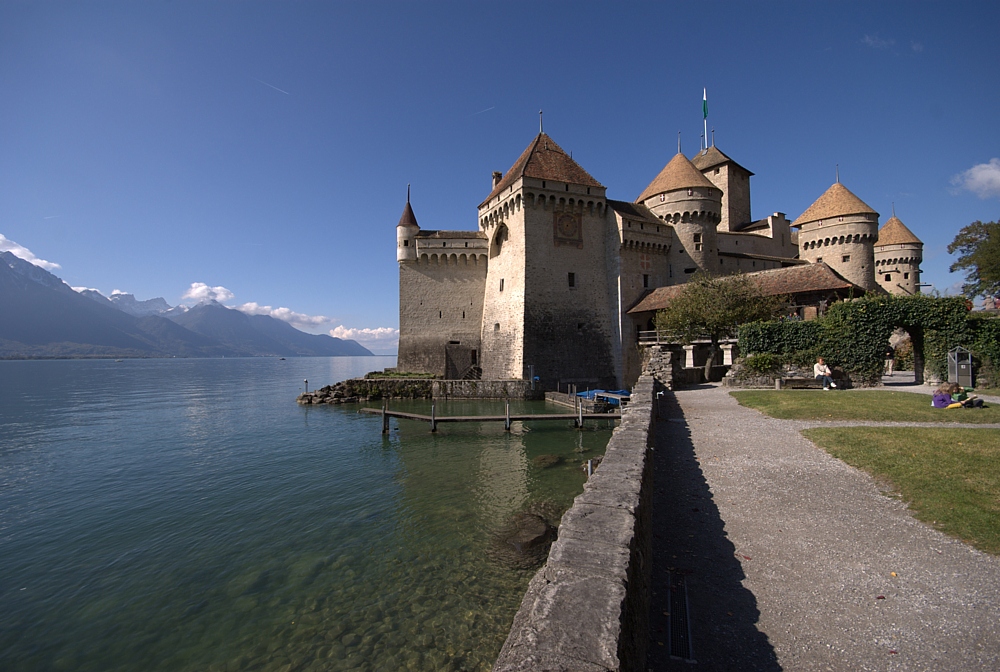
column 545, row 160
column 711, row 157
column 895, row 233
column 679, row 173
column 836, row 201
column 774, row 282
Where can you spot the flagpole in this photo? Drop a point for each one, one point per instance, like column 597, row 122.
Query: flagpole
column 704, row 111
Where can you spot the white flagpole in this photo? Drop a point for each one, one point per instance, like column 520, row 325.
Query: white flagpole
column 704, row 110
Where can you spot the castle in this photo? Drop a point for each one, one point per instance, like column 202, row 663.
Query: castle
column 543, row 287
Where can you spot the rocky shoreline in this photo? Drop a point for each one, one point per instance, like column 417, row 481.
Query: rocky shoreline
column 356, row 390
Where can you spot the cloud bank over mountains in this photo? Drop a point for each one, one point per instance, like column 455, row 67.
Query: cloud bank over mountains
column 198, row 292
column 21, row 252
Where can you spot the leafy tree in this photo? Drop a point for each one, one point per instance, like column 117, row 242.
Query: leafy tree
column 713, row 308
column 978, row 246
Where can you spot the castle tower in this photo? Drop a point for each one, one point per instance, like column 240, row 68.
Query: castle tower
column 840, row 230
column 898, row 254
column 733, row 180
column 406, row 233
column 547, row 310
column 685, row 199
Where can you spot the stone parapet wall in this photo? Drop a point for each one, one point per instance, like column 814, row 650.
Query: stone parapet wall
column 587, row 609
column 485, row 389
column 370, row 389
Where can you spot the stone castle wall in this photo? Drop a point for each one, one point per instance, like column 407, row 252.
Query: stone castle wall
column 568, row 326
column 503, row 303
column 897, row 267
column 845, row 244
column 440, row 312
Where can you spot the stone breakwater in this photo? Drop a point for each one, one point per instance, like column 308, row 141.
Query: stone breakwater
column 373, row 389
column 587, row 608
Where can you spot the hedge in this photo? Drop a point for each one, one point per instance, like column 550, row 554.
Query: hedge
column 854, row 334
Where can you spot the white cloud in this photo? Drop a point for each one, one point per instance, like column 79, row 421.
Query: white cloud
column 876, row 42
column 917, row 46
column 380, row 335
column 87, row 289
column 300, row 320
column 8, row 245
column 199, row 291
column 982, row 179
column 115, row 292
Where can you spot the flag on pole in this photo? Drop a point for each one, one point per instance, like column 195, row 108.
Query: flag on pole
column 704, row 103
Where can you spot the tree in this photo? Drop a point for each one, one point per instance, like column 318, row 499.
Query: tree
column 978, row 246
column 713, row 308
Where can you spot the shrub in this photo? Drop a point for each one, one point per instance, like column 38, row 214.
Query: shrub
column 761, row 363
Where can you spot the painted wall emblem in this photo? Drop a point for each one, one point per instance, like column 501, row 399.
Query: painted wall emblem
column 645, row 261
column 567, row 229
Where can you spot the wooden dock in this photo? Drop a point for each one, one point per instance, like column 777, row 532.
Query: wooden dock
column 578, row 418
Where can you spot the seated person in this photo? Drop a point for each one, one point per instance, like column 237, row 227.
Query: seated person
column 823, row 374
column 959, row 395
column 942, row 397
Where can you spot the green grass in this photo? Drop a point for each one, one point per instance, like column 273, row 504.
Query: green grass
column 878, row 405
column 950, row 477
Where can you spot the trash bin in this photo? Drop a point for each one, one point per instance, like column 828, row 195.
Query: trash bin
column 960, row 366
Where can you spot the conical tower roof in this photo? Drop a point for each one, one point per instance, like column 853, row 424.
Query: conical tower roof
column 408, row 218
column 680, row 173
column 543, row 159
column 895, row 233
column 837, row 201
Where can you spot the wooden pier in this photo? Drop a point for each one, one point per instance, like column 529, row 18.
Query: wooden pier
column 577, row 418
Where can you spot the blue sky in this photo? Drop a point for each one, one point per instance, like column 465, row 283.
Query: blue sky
column 260, row 152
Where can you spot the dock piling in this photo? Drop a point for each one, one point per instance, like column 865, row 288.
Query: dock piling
column 434, row 426
column 506, row 421
column 385, row 416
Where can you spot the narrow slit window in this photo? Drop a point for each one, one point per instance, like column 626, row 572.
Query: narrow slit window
column 572, row 280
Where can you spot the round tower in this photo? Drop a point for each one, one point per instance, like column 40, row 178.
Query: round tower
column 406, row 233
column 840, row 230
column 686, row 200
column 898, row 254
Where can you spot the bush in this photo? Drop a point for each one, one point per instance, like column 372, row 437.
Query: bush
column 761, row 363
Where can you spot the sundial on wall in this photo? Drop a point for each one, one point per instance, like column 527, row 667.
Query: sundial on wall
column 567, row 229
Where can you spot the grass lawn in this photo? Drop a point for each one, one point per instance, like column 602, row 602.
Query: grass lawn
column 950, row 477
column 877, row 405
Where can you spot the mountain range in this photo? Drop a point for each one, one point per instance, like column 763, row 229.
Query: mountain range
column 42, row 316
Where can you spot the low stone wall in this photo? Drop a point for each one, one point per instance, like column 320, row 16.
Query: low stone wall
column 372, row 389
column 587, row 609
column 485, row 389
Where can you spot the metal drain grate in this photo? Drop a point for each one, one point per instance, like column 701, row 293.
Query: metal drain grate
column 679, row 621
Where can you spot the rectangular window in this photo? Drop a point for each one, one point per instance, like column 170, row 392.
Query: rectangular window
column 906, row 276
column 819, row 259
column 501, row 284
column 406, row 243
column 697, row 247
column 847, row 258
column 572, row 280
column 697, row 237
column 670, row 270
column 645, row 280
column 888, row 277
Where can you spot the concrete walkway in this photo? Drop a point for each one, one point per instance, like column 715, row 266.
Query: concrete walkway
column 788, row 555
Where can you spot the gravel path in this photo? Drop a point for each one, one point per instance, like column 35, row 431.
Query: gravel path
column 789, row 555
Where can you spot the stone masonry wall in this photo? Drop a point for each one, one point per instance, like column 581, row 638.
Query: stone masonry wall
column 440, row 303
column 587, row 609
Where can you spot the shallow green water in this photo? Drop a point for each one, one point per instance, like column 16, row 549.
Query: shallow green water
column 188, row 515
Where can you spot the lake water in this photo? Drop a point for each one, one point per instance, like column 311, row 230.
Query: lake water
column 189, row 515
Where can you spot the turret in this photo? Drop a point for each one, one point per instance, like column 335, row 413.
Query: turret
column 898, row 254
column 406, row 233
column 840, row 230
column 685, row 199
